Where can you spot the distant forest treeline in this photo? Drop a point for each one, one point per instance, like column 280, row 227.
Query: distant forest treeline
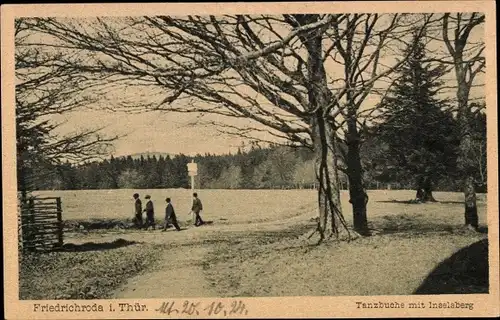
column 257, row 167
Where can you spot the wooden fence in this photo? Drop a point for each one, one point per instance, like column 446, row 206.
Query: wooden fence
column 41, row 224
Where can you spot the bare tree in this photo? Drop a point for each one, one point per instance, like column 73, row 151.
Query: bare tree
column 270, row 69
column 42, row 90
column 366, row 52
column 468, row 61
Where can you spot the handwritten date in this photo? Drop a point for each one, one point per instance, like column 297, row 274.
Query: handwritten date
column 215, row 308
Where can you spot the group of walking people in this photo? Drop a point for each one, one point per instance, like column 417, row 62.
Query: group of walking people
column 170, row 217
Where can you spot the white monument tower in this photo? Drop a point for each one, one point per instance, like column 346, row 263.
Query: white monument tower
column 192, row 172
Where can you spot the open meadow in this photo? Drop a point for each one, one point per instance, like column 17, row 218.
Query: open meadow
column 250, row 206
column 257, row 246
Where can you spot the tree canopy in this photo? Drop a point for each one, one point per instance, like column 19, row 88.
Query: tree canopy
column 419, row 134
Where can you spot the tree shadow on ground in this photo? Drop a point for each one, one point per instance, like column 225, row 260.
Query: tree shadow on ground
column 208, row 222
column 412, row 201
column 106, row 225
column 416, row 224
column 172, row 229
column 482, row 229
column 92, row 246
column 451, row 202
column 190, row 223
column 466, row 271
column 97, row 224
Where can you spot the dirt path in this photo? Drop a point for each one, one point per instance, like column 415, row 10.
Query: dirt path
column 191, row 234
column 179, row 271
column 178, row 274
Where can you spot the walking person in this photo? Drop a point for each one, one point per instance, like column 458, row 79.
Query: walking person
column 150, row 213
column 138, row 211
column 196, row 208
column 170, row 216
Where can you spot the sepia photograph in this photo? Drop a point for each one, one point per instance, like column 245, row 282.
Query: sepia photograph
column 180, row 163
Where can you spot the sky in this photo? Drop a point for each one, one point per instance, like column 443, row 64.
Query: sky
column 163, row 132
column 171, row 133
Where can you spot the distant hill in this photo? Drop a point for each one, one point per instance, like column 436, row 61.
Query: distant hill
column 146, row 154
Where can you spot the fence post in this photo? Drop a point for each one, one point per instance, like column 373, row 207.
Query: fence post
column 31, row 225
column 59, row 222
column 24, row 223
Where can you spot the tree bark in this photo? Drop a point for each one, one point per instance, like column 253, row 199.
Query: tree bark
column 466, row 168
column 323, row 137
column 330, row 210
column 357, row 192
column 471, row 217
column 466, row 164
column 465, row 73
column 424, row 189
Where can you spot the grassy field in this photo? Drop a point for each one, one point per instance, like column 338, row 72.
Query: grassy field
column 245, row 206
column 87, row 271
column 419, row 262
column 237, row 206
column 252, row 250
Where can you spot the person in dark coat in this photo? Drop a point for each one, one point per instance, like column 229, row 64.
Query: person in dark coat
column 170, row 216
column 138, row 211
column 196, row 208
column 150, row 213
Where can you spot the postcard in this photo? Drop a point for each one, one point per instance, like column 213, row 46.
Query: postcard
column 250, row 160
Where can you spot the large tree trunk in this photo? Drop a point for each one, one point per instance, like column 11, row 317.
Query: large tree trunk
column 471, row 217
column 357, row 193
column 465, row 74
column 330, row 210
column 466, row 164
column 466, row 167
column 424, row 189
column 323, row 136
